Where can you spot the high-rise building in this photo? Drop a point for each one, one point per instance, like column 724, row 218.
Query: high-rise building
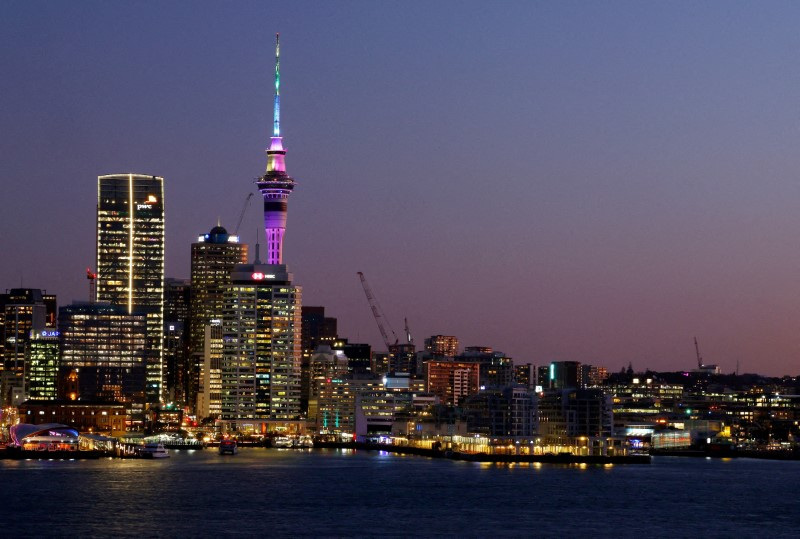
column 209, row 392
column 317, row 329
column 103, row 354
column 276, row 185
column 441, row 346
column 130, row 258
column 176, row 339
column 213, row 257
column 261, row 351
column 261, row 322
column 42, row 360
column 24, row 311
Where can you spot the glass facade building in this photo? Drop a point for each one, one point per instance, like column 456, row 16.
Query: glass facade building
column 41, row 365
column 130, row 258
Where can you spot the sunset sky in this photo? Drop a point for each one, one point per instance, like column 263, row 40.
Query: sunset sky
column 599, row 182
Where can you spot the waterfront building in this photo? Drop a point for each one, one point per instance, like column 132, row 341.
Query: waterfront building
column 103, row 354
column 105, row 417
column 130, row 258
column 327, row 371
column 214, row 256
column 209, row 394
column 42, row 360
column 441, row 346
column 24, row 311
column 261, row 352
column 452, row 381
column 570, row 413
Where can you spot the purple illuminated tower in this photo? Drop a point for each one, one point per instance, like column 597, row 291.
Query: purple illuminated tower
column 276, row 185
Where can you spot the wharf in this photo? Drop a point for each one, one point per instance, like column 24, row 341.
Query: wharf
column 485, row 457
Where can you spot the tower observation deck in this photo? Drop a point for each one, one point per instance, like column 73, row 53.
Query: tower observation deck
column 276, row 185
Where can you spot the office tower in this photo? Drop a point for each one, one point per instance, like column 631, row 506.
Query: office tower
column 130, row 258
column 42, row 359
column 403, row 358
column 441, row 346
column 176, row 339
column 24, row 311
column 214, row 256
column 276, row 185
column 317, row 329
column 209, row 392
column 103, row 354
column 261, row 345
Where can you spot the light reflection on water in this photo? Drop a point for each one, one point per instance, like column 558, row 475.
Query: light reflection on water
column 332, row 492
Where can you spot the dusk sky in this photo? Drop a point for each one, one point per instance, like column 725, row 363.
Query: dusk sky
column 598, row 182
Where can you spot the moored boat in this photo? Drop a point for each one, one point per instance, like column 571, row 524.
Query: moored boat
column 154, row 451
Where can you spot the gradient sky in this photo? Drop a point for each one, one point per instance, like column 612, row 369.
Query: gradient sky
column 598, row 182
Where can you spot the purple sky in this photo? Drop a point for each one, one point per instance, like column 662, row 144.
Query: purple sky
column 560, row 181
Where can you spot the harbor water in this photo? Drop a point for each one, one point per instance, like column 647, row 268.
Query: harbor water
column 326, row 492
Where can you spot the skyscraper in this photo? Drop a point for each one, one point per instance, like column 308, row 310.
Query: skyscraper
column 276, row 185
column 24, row 311
column 130, row 258
column 213, row 257
column 261, row 323
column 261, row 348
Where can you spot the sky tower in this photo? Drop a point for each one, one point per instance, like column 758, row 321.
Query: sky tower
column 276, row 185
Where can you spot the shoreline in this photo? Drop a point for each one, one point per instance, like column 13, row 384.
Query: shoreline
column 484, row 457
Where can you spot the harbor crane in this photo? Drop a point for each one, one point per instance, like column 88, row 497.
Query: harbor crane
column 377, row 313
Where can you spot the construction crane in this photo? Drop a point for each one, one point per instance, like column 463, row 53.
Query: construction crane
column 241, row 215
column 377, row 312
column 409, row 338
column 697, row 351
column 91, row 276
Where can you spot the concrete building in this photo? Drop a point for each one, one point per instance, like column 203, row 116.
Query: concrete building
column 451, row 381
column 441, row 346
column 570, row 413
column 209, row 394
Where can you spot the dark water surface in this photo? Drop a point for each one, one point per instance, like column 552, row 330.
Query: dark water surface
column 269, row 492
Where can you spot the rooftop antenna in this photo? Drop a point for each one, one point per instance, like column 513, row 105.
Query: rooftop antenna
column 258, row 250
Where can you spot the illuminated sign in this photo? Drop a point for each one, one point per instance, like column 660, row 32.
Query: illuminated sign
column 258, row 276
column 49, row 334
column 151, row 199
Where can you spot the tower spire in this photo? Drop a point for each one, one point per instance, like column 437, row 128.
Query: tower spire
column 276, row 129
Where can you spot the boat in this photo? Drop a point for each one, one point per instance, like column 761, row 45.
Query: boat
column 154, row 451
column 228, row 447
column 282, row 441
column 304, row 442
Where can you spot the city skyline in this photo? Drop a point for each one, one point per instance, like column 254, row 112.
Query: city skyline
column 640, row 159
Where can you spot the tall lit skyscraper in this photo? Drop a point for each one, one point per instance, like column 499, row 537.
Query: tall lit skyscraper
column 130, row 258
column 24, row 310
column 276, row 185
column 261, row 323
column 213, row 257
